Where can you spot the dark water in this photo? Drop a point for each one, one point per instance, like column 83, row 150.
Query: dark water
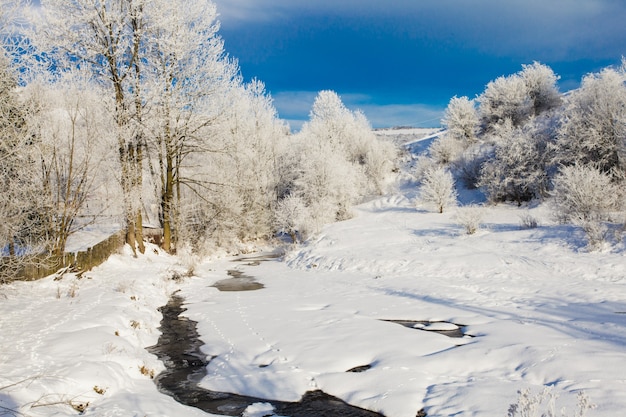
column 238, row 282
column 179, row 348
column 415, row 324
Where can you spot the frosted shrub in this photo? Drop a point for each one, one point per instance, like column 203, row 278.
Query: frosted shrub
column 586, row 197
column 469, row 166
column 423, row 164
column 528, row 221
column 470, row 218
column 543, row 404
column 446, row 149
column 461, row 119
column 438, row 189
column 291, row 217
column 517, row 171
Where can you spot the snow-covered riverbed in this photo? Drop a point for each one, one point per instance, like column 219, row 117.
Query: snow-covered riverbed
column 536, row 308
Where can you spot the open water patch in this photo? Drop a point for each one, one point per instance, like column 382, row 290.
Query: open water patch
column 238, row 280
column 441, row 327
column 179, row 349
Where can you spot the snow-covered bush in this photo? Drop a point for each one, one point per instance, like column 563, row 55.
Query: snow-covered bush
column 446, row 149
column 291, row 217
column 517, row 170
column 437, row 189
column 583, row 193
column 518, row 97
column 587, row 197
column 505, row 98
column 470, row 218
column 593, row 124
column 468, row 167
column 528, row 221
column 461, row 119
column 541, row 84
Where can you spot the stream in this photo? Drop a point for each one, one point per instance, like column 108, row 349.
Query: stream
column 179, row 349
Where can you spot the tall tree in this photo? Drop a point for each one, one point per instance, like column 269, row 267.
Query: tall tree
column 187, row 73
column 22, row 233
column 106, row 37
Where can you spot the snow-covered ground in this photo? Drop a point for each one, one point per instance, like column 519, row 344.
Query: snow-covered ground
column 537, row 310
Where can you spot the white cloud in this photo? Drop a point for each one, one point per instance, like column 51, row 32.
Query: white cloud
column 294, row 107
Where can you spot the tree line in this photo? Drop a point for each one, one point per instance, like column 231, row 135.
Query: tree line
column 133, row 109
column 521, row 139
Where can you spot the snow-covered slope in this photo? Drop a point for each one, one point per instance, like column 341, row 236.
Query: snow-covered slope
column 536, row 308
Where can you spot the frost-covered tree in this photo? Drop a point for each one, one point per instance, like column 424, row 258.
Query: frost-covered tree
column 241, row 186
column 350, row 134
column 73, row 131
column 185, row 75
column 541, row 84
column 461, row 120
column 340, row 160
column 505, row 98
column 437, row 189
column 22, row 230
column 327, row 182
column 106, row 37
column 517, row 171
column 593, row 124
column 519, row 96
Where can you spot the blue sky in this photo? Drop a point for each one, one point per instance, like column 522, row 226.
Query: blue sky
column 400, row 61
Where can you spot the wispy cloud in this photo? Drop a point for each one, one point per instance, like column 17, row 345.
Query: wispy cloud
column 294, row 107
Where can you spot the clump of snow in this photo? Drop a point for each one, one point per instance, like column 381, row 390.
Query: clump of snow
column 259, row 410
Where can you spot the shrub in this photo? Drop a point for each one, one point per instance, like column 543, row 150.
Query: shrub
column 291, row 217
column 528, row 221
column 586, row 197
column 470, row 218
column 583, row 194
column 438, row 189
column 529, row 405
column 446, row 149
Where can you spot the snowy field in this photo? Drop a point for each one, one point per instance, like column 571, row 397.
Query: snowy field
column 536, row 309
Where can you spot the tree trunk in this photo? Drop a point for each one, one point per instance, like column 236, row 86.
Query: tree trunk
column 138, row 187
column 130, row 236
column 167, row 200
